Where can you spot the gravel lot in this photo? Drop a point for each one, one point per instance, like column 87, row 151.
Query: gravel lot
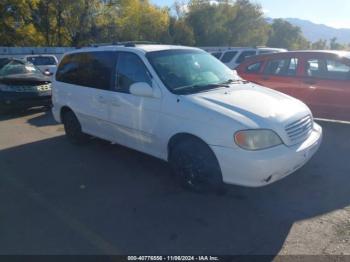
column 57, row 198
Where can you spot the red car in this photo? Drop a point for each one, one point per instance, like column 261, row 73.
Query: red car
column 321, row 79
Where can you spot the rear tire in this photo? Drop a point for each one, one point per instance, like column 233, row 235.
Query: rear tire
column 73, row 129
column 196, row 166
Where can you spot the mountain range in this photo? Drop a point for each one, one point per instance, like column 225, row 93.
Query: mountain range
column 313, row 32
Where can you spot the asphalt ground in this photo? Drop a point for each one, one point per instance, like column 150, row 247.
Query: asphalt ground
column 57, row 198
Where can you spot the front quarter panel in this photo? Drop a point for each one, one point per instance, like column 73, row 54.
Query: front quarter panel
column 181, row 116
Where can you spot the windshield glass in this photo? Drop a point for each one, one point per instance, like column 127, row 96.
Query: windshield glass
column 41, row 60
column 190, row 71
column 14, row 67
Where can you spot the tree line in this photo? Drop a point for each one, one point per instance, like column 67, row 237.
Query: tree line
column 198, row 23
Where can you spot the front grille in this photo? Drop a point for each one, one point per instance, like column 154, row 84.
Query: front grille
column 299, row 130
column 38, row 88
column 23, row 88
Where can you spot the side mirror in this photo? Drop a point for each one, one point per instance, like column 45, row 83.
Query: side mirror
column 141, row 89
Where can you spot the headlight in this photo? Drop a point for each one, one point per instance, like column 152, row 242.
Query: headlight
column 6, row 88
column 257, row 139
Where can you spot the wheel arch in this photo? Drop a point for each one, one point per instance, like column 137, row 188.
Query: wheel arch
column 183, row 136
column 211, row 159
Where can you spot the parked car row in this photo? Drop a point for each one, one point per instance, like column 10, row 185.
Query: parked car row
column 234, row 56
column 184, row 106
column 321, row 79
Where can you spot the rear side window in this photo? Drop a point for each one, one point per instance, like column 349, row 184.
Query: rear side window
column 282, row 67
column 244, row 55
column 337, row 70
column 130, row 70
column 327, row 69
column 90, row 69
column 228, row 56
column 254, row 68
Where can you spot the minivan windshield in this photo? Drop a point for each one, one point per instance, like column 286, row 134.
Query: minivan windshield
column 190, row 71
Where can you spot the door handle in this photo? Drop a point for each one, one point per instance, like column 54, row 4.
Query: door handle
column 265, row 78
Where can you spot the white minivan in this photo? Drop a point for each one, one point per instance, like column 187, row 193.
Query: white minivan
column 184, row 106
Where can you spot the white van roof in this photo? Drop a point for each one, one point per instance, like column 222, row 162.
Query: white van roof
column 145, row 48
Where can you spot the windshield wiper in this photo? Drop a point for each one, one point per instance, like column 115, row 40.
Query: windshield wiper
column 235, row 81
column 208, row 86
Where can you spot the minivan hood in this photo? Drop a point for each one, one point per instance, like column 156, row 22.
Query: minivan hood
column 252, row 105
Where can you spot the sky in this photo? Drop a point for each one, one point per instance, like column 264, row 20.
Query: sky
column 334, row 13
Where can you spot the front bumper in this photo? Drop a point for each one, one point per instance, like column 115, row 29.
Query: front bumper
column 260, row 168
column 13, row 100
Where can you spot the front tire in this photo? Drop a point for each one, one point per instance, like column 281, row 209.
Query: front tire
column 73, row 129
column 196, row 166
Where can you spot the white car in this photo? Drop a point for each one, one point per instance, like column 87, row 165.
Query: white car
column 46, row 63
column 234, row 56
column 182, row 105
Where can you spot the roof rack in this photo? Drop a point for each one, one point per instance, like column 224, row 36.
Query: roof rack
column 125, row 43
